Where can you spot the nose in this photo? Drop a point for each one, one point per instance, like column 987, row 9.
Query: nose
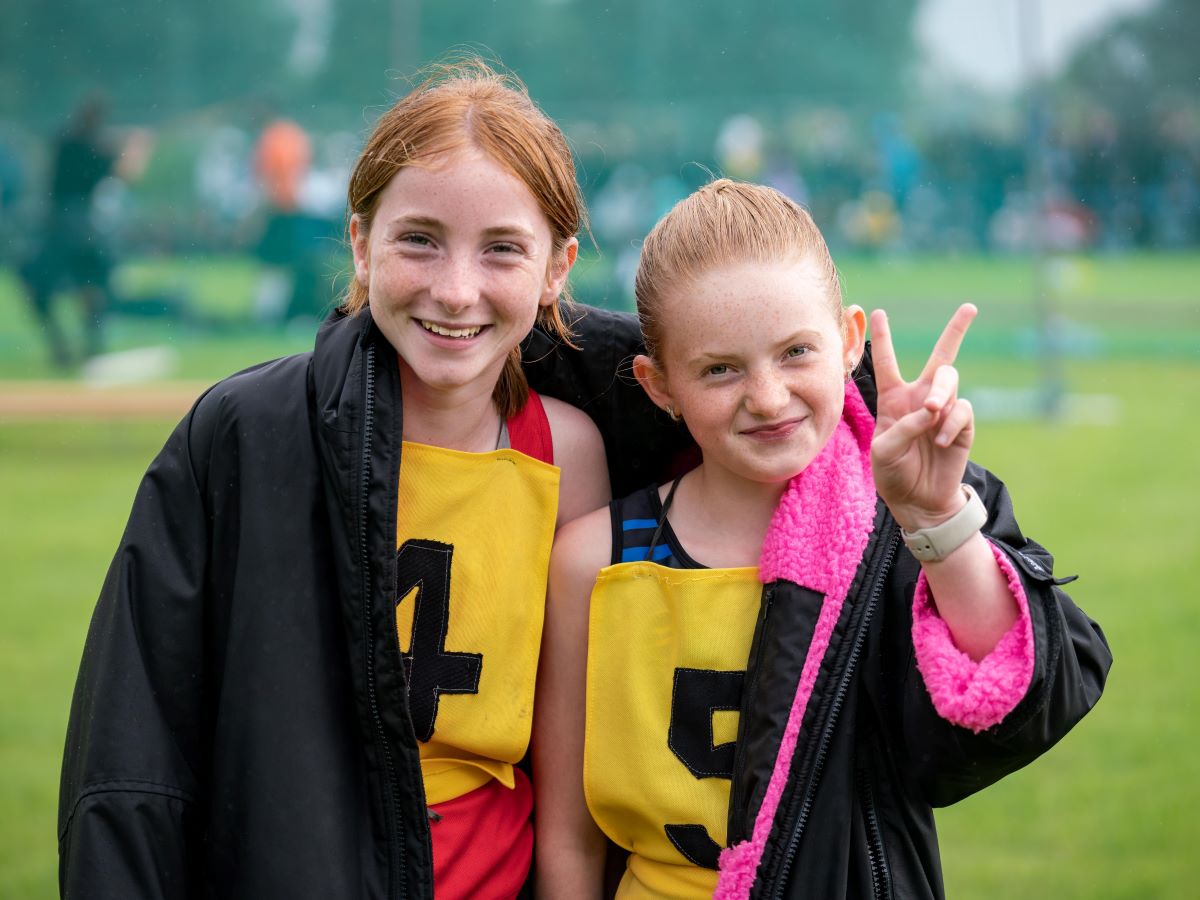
column 767, row 394
column 455, row 287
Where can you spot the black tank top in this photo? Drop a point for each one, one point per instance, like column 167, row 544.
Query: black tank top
column 641, row 531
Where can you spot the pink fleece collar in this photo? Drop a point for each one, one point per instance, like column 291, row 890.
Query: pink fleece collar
column 816, row 540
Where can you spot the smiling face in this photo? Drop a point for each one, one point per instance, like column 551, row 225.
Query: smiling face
column 753, row 358
column 457, row 262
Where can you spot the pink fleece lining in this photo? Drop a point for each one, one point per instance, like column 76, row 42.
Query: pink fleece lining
column 816, row 540
column 975, row 695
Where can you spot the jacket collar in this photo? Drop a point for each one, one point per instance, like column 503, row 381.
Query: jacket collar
column 337, row 369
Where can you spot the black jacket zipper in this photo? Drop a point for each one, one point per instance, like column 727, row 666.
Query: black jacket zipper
column 881, row 878
column 793, row 844
column 393, row 824
column 748, row 693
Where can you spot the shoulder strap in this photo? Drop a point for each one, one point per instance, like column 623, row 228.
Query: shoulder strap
column 662, row 519
column 529, row 431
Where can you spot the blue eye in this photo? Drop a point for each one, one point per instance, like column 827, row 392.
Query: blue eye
column 417, row 240
column 720, row 369
column 796, row 352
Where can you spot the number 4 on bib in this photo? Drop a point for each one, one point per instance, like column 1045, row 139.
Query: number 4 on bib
column 430, row 669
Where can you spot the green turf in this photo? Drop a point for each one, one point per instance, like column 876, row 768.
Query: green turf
column 66, row 490
column 1110, row 813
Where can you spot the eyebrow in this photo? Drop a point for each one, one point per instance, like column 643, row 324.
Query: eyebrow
column 509, row 229
column 802, row 336
column 415, row 221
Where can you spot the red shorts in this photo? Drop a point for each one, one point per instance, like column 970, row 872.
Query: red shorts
column 483, row 842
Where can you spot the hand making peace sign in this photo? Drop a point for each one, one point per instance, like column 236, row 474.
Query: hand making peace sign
column 923, row 430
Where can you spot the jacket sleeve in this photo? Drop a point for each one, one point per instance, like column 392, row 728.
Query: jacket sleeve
column 641, row 444
column 133, row 761
column 965, row 725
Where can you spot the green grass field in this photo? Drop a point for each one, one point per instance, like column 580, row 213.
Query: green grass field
column 1109, row 813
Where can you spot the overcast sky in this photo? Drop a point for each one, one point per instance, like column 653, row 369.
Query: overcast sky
column 979, row 40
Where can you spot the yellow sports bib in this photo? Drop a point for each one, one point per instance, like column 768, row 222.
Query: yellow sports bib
column 473, row 538
column 667, row 652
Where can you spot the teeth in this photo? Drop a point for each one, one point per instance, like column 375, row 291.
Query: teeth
column 451, row 332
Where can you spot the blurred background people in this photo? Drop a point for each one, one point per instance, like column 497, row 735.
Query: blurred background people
column 297, row 231
column 72, row 256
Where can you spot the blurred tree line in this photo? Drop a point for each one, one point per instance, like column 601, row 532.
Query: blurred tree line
column 1139, row 68
column 156, row 58
column 1127, row 139
column 166, row 58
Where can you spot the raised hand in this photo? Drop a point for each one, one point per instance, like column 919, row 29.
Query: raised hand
column 923, row 430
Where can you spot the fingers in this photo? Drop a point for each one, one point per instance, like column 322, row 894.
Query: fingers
column 943, row 390
column 945, row 351
column 883, row 354
column 953, row 424
column 958, row 426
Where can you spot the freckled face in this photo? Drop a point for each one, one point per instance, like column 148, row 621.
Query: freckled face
column 457, row 262
column 752, row 356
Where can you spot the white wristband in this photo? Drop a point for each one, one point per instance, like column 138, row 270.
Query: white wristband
column 936, row 543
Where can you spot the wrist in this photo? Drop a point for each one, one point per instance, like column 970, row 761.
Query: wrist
column 933, row 543
column 914, row 518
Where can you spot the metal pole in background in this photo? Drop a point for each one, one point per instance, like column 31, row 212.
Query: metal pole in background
column 1050, row 374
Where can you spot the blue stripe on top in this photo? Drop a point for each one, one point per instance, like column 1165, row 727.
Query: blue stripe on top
column 631, row 524
column 638, row 554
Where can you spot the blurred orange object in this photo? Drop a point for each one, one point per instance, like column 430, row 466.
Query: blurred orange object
column 281, row 160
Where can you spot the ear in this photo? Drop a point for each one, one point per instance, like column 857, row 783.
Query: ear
column 358, row 244
column 652, row 380
column 557, row 272
column 854, row 335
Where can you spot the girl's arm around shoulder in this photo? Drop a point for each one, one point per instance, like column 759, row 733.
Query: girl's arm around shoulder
column 570, row 848
column 579, row 454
